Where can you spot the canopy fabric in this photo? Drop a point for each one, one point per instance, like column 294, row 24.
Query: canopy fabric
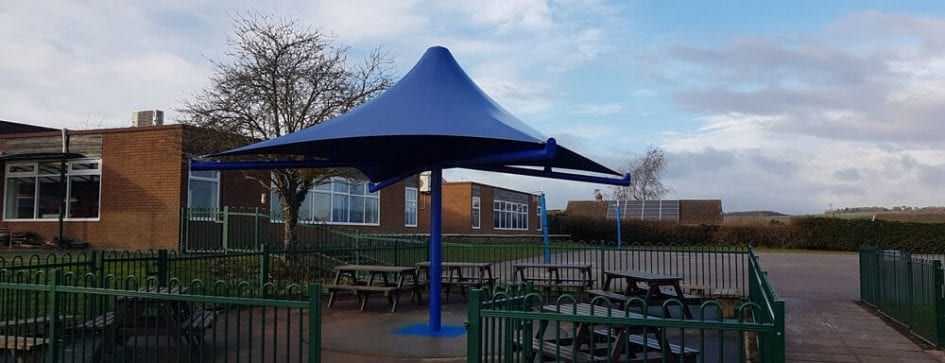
column 434, row 116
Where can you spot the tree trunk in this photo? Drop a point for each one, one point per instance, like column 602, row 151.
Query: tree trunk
column 290, row 217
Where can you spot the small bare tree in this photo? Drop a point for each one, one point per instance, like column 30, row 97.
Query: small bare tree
column 647, row 173
column 280, row 77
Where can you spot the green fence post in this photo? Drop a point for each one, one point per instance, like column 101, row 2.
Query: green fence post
column 92, row 266
column 162, row 268
column 473, row 326
column 603, row 261
column 910, row 292
column 939, row 282
column 314, row 323
column 226, row 229
column 256, row 226
column 263, row 269
column 183, row 230
column 777, row 340
column 53, row 301
column 102, row 271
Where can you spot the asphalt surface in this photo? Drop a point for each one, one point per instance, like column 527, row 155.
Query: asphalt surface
column 821, row 290
column 824, row 321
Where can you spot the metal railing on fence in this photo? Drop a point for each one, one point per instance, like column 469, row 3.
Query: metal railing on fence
column 63, row 317
column 519, row 325
column 907, row 288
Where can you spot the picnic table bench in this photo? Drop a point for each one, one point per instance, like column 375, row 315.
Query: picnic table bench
column 462, row 275
column 658, row 288
column 143, row 315
column 619, row 340
column 347, row 279
column 24, row 349
column 548, row 276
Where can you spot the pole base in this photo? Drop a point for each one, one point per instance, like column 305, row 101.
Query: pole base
column 446, row 331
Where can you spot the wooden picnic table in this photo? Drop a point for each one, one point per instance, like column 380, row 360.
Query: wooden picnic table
column 136, row 315
column 622, row 339
column 659, row 288
column 549, row 276
column 462, row 275
column 348, row 278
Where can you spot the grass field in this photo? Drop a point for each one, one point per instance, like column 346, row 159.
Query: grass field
column 921, row 216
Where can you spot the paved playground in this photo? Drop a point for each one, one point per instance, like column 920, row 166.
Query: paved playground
column 824, row 321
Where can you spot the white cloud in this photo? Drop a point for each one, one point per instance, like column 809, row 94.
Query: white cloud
column 600, row 108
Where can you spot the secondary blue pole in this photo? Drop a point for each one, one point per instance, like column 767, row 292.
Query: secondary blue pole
column 436, row 256
column 544, row 228
column 619, row 240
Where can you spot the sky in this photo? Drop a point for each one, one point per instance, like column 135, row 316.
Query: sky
column 791, row 106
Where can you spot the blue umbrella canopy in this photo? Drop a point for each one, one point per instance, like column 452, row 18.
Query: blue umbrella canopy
column 434, row 116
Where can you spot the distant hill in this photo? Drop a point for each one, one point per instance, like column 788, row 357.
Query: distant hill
column 755, row 213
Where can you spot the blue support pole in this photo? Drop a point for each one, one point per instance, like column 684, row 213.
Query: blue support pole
column 436, row 257
column 619, row 240
column 544, row 228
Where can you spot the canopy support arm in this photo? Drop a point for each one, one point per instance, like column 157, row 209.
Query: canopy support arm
column 198, row 165
column 547, row 173
column 373, row 187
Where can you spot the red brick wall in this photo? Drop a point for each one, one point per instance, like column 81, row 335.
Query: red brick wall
column 141, row 192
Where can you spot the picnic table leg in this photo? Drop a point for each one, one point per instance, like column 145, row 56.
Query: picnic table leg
column 331, row 293
column 362, row 298
column 682, row 299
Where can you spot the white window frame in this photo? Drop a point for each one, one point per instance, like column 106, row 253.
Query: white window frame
column 216, row 179
column 477, row 206
column 407, row 206
column 67, row 175
column 509, row 216
column 538, row 215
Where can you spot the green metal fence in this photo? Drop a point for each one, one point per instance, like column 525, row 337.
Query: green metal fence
column 906, row 288
column 519, row 325
column 64, row 317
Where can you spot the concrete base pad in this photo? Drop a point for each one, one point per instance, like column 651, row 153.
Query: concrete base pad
column 371, row 333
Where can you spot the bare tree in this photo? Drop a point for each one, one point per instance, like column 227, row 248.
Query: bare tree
column 647, row 173
column 280, row 77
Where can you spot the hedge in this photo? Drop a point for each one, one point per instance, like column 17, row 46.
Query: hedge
column 816, row 233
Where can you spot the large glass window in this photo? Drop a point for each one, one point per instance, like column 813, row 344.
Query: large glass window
column 34, row 190
column 204, row 189
column 410, row 207
column 509, row 215
column 338, row 201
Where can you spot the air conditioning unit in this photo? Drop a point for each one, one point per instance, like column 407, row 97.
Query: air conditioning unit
column 147, row 118
column 425, row 182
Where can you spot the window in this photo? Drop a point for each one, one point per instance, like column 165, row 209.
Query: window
column 410, row 207
column 338, row 201
column 509, row 215
column 204, row 189
column 475, row 212
column 538, row 215
column 33, row 190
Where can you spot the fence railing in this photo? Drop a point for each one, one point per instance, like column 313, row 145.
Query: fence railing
column 519, row 325
column 244, row 229
column 63, row 317
column 713, row 270
column 907, row 288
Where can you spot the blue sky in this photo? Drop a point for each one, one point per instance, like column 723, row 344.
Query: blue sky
column 789, row 106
